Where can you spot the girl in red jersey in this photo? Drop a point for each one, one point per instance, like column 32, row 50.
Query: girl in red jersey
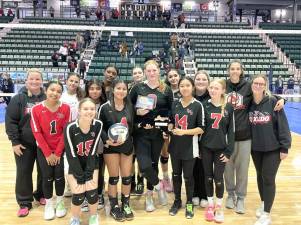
column 48, row 120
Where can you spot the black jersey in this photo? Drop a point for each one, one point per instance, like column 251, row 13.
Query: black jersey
column 220, row 129
column 163, row 101
column 81, row 149
column 109, row 116
column 176, row 95
column 186, row 147
column 203, row 98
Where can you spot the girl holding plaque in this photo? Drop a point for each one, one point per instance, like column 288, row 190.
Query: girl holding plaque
column 153, row 99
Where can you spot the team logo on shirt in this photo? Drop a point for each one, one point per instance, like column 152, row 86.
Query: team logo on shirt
column 257, row 117
column 236, row 100
column 60, row 115
column 92, row 134
column 28, row 108
column 189, row 111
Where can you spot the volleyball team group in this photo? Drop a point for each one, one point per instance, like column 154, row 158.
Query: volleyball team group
column 214, row 127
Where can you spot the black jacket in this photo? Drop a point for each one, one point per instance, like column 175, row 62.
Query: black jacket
column 17, row 118
column 240, row 96
column 270, row 130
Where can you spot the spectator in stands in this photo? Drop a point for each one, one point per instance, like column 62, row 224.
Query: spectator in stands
column 63, row 51
column 153, row 15
column 123, row 50
column 98, row 13
column 191, row 48
column 166, row 47
column 87, row 13
column 1, row 12
column 135, row 46
column 10, row 12
column 77, row 11
column 162, row 56
column 55, row 58
column 181, row 20
column 290, row 85
column 79, row 41
column 72, row 48
column 174, row 40
column 7, row 86
column 72, row 63
column 51, row 11
column 87, row 38
column 109, row 43
column 140, row 48
column 115, row 14
column 173, row 54
column 82, row 68
column 279, row 85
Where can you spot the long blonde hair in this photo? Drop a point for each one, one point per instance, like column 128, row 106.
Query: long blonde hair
column 223, row 102
column 162, row 85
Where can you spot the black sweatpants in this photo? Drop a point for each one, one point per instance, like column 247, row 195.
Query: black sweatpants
column 50, row 174
column 101, row 177
column 179, row 165
column 266, row 164
column 24, row 184
column 199, row 180
column 148, row 145
column 214, row 170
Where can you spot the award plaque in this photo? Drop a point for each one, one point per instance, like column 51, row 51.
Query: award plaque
column 145, row 102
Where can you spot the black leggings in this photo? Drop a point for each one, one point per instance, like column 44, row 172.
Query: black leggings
column 266, row 164
column 101, row 177
column 211, row 158
column 24, row 185
column 179, row 165
column 50, row 173
column 148, row 145
column 199, row 179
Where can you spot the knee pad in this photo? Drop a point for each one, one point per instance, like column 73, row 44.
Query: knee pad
column 92, row 196
column 126, row 180
column 164, row 159
column 113, row 180
column 151, row 175
column 78, row 199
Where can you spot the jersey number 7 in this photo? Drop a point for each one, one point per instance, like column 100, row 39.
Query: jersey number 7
column 217, row 118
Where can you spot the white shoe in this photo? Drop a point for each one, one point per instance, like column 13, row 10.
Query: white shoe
column 93, row 220
column 74, row 221
column 60, row 210
column 264, row 219
column 49, row 213
column 196, row 201
column 162, row 196
column 219, row 214
column 149, row 202
column 260, row 210
column 204, row 203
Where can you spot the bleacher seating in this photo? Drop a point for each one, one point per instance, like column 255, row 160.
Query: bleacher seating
column 289, row 43
column 68, row 21
column 210, row 25
column 214, row 52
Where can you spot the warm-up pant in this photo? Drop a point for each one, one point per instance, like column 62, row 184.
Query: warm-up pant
column 266, row 164
column 24, row 184
column 199, row 179
column 51, row 174
column 236, row 171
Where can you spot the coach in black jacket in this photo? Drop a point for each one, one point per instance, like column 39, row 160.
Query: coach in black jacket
column 271, row 140
column 17, row 125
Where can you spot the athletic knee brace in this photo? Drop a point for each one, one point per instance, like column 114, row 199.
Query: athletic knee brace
column 92, row 196
column 126, row 180
column 78, row 199
column 113, row 180
column 164, row 159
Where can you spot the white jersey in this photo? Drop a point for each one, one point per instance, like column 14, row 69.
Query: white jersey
column 72, row 101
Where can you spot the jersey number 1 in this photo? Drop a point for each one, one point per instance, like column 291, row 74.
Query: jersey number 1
column 53, row 127
column 217, row 118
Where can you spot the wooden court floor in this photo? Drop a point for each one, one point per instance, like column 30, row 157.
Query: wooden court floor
column 286, row 209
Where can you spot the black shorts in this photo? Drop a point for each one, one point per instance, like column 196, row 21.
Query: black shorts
column 126, row 148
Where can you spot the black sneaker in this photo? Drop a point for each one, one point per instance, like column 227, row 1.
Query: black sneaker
column 101, row 202
column 139, row 189
column 127, row 211
column 189, row 211
column 177, row 204
column 117, row 213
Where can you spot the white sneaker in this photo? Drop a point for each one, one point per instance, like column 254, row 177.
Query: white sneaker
column 93, row 220
column 219, row 214
column 162, row 196
column 149, row 202
column 260, row 210
column 196, row 201
column 60, row 210
column 49, row 210
column 264, row 219
column 204, row 203
column 74, row 221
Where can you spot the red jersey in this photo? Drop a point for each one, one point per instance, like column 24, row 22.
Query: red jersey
column 47, row 127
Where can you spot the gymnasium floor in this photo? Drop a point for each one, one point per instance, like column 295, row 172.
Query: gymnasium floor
column 286, row 209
